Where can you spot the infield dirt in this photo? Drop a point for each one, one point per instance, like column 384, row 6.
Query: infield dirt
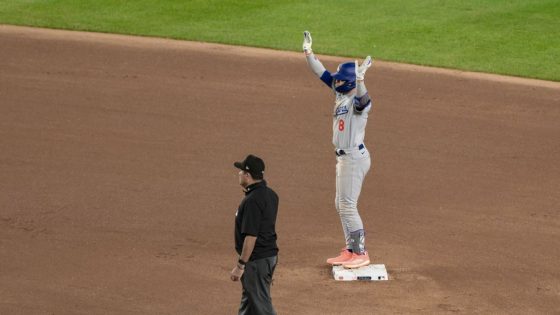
column 118, row 192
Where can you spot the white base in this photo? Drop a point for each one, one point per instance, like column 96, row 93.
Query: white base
column 367, row 273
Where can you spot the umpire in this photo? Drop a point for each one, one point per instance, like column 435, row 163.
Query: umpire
column 255, row 238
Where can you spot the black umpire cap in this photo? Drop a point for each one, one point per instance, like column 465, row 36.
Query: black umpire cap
column 252, row 165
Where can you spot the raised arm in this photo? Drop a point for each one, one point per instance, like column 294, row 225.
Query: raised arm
column 314, row 63
column 362, row 97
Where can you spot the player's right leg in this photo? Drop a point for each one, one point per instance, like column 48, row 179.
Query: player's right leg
column 346, row 252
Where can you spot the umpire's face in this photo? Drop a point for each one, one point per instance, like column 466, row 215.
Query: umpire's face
column 243, row 178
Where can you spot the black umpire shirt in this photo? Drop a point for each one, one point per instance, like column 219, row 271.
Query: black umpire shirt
column 256, row 216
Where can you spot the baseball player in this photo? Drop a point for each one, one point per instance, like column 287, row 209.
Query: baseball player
column 351, row 107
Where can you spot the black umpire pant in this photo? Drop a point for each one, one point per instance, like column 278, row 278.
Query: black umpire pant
column 256, row 280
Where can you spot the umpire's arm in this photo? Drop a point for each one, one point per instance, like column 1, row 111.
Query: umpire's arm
column 248, row 246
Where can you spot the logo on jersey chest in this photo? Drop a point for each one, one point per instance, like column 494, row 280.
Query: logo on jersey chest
column 341, row 110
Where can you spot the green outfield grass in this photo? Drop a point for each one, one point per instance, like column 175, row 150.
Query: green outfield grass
column 514, row 37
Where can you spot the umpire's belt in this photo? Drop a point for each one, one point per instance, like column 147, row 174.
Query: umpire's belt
column 340, row 152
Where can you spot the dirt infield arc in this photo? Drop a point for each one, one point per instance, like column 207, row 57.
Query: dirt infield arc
column 118, row 193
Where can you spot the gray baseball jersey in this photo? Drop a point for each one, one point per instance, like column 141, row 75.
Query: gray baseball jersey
column 349, row 123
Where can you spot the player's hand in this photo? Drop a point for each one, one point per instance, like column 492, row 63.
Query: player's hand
column 307, row 43
column 236, row 273
column 361, row 69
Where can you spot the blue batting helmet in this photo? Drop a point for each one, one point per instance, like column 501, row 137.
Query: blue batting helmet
column 345, row 72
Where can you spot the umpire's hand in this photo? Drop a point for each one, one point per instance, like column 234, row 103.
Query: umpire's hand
column 236, row 273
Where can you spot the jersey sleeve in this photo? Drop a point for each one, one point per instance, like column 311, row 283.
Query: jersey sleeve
column 319, row 70
column 250, row 225
column 362, row 101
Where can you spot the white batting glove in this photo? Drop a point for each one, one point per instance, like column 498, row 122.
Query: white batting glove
column 307, row 43
column 361, row 69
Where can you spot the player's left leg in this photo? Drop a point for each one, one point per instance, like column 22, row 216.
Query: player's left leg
column 358, row 170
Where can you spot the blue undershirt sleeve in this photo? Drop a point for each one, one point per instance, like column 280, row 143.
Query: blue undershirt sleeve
column 327, row 78
column 360, row 103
